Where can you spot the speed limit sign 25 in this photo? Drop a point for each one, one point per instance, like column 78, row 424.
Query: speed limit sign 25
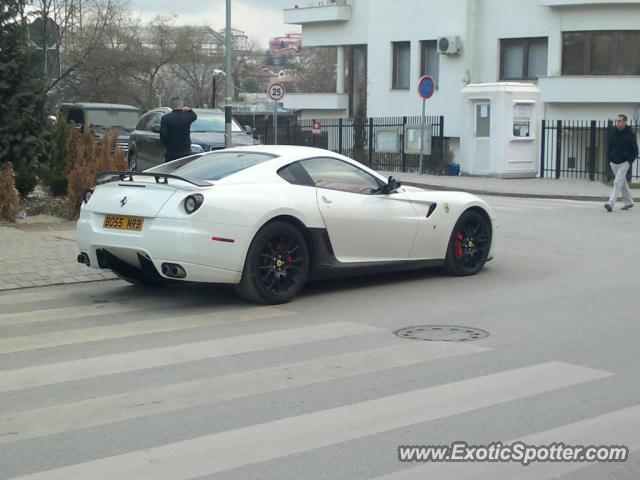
column 276, row 91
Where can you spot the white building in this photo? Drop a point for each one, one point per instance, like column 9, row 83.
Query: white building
column 584, row 55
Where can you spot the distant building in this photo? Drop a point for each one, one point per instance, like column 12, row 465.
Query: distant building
column 291, row 41
column 212, row 41
column 240, row 39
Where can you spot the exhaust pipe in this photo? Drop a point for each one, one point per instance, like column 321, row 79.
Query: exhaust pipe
column 173, row 270
column 84, row 258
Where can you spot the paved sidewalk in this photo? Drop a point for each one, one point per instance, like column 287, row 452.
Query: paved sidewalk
column 521, row 187
column 35, row 255
column 39, row 254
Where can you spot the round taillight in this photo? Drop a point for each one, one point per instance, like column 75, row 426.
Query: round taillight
column 87, row 195
column 193, row 202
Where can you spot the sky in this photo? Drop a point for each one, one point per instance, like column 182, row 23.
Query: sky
column 260, row 19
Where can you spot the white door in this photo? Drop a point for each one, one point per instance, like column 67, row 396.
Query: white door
column 363, row 224
column 482, row 139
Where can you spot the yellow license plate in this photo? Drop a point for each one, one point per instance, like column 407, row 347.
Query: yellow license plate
column 117, row 222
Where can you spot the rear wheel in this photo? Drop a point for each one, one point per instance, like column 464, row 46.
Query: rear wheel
column 276, row 266
column 469, row 244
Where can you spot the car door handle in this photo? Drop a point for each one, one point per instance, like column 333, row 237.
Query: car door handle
column 326, row 200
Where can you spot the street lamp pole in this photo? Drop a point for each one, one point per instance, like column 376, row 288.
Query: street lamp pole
column 213, row 95
column 227, row 84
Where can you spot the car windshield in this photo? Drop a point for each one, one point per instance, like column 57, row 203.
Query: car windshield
column 212, row 122
column 101, row 119
column 212, row 166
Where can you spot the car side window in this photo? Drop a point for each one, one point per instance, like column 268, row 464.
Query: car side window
column 296, row 175
column 76, row 116
column 155, row 119
column 335, row 174
column 143, row 123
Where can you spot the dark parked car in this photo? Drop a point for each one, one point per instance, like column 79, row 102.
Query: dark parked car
column 207, row 133
column 102, row 117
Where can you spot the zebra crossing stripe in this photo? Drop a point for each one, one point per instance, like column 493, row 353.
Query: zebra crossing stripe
column 157, row 357
column 145, row 327
column 101, row 411
column 257, row 443
column 620, row 427
column 78, row 311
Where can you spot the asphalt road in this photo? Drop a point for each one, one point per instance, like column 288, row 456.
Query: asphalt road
column 106, row 380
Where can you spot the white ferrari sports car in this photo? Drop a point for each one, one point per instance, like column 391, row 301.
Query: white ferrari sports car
column 269, row 218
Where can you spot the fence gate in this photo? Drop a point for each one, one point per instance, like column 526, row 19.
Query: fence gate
column 578, row 149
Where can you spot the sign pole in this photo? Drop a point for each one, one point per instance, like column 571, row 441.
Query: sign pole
column 275, row 121
column 426, row 87
column 422, row 124
column 276, row 93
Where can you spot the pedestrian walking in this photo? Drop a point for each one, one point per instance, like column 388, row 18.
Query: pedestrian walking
column 622, row 150
column 175, row 129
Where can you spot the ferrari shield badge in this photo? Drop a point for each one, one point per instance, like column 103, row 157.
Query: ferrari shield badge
column 446, row 208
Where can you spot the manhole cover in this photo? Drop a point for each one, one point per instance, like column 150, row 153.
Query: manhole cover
column 442, row 333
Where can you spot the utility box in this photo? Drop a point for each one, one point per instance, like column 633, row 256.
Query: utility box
column 499, row 134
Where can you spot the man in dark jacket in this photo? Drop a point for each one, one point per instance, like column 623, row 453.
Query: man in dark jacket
column 174, row 130
column 622, row 150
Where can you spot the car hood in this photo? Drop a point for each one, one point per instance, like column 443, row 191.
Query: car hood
column 216, row 139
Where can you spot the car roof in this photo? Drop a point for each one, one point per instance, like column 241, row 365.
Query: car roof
column 100, row 106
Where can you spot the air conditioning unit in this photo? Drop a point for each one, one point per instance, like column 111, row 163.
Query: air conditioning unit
column 449, row 45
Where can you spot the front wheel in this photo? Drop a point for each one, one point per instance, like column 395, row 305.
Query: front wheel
column 276, row 266
column 133, row 162
column 469, row 244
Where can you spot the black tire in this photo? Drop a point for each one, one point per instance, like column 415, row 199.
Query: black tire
column 469, row 244
column 139, row 280
column 276, row 266
column 133, row 161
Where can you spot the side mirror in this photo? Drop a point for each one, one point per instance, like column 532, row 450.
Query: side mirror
column 156, row 128
column 248, row 129
column 393, row 184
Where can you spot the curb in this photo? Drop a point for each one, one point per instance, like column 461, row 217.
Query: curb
column 586, row 198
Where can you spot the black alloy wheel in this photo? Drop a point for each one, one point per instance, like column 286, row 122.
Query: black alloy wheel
column 469, row 244
column 133, row 162
column 276, row 266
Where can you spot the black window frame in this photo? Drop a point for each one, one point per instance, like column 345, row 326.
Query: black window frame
column 423, row 61
column 299, row 175
column 526, row 42
column 395, row 47
column 614, row 67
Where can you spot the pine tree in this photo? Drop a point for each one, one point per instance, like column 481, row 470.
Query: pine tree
column 23, row 123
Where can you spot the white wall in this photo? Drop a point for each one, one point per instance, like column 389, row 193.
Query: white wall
column 378, row 23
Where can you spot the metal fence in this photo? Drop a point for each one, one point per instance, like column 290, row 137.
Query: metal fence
column 356, row 139
column 578, row 149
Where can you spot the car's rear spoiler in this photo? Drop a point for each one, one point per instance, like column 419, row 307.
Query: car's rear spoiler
column 160, row 178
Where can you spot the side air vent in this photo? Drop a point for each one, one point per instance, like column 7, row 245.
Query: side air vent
column 432, row 208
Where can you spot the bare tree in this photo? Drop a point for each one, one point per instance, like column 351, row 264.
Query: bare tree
column 316, row 70
column 79, row 28
column 196, row 62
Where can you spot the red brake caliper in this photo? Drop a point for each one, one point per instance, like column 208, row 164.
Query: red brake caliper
column 458, row 244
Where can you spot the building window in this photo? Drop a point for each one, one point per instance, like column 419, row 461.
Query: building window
column 430, row 60
column 401, row 65
column 523, row 58
column 601, row 53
